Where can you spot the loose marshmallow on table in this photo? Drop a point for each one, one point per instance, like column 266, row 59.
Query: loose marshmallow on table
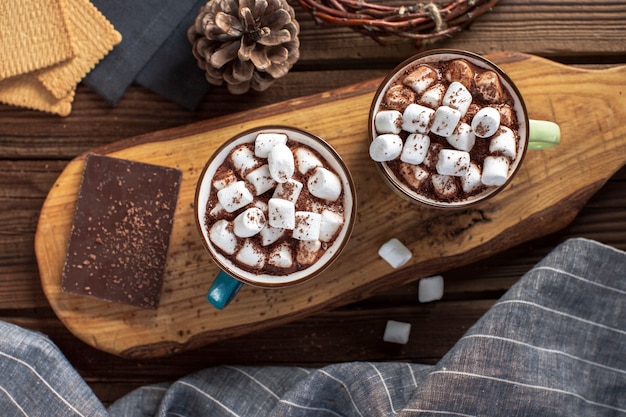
column 261, row 179
column 288, row 190
column 504, row 142
column 417, row 118
column 307, row 226
column 281, row 163
column 453, row 162
column 421, row 78
column 472, row 179
column 305, row 159
column 388, row 121
column 330, row 225
column 235, row 196
column 324, row 184
column 444, row 185
column 264, row 142
column 281, row 213
column 430, row 289
column 251, row 255
column 462, row 138
column 458, row 97
column 243, row 159
column 222, row 236
column 281, row 256
column 495, row 170
column 415, row 148
column 249, row 222
column 386, row 147
column 445, row 121
column 486, row 122
column 394, row 253
column 397, row 332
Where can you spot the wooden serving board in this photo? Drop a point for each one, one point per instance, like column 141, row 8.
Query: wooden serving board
column 548, row 192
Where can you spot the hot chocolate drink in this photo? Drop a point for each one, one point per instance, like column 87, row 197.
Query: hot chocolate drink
column 276, row 206
column 448, row 129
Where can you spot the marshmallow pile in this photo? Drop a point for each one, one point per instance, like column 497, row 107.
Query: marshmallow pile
column 450, row 127
column 275, row 207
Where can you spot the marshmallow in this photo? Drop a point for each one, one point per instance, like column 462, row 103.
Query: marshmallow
column 472, row 179
column 307, row 251
column 463, row 138
column 388, row 121
column 395, row 253
column 288, row 190
column 504, row 143
column 399, row 97
column 432, row 155
column 217, row 211
column 270, row 234
column 486, row 122
column 305, row 159
column 330, row 225
column 495, row 170
column 281, row 213
column 430, row 289
column 488, row 86
column 222, row 236
column 453, row 162
column 243, row 159
column 307, row 226
column 264, row 143
column 249, row 222
column 415, row 148
column 235, row 196
column 433, row 96
column 251, row 255
column 461, row 71
column 281, row 163
column 444, row 185
column 421, row 78
column 221, row 179
column 397, row 332
column 261, row 179
column 458, row 97
column 506, row 115
column 324, row 184
column 386, row 147
column 281, row 256
column 417, row 118
column 445, row 121
column 414, row 175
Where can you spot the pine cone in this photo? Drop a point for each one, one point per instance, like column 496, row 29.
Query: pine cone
column 247, row 43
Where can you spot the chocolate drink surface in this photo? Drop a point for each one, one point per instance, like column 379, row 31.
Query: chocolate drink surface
column 448, row 130
column 275, row 206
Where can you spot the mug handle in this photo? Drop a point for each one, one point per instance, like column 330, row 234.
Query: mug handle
column 543, row 135
column 223, row 290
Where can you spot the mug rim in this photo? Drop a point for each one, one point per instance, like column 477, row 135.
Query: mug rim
column 338, row 245
column 400, row 187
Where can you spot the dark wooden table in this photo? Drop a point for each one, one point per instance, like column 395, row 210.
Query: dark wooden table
column 35, row 147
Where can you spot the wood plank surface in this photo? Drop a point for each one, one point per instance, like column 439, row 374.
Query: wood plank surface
column 553, row 185
column 35, row 147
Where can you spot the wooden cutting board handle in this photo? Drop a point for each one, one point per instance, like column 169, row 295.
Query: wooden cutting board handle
column 548, row 192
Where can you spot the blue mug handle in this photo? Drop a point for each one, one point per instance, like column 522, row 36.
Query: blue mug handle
column 223, row 290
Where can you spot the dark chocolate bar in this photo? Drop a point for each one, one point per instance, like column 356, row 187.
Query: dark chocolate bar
column 121, row 231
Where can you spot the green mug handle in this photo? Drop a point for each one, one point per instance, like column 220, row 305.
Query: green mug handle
column 543, row 135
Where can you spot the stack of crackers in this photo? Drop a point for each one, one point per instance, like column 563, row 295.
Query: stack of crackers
column 46, row 48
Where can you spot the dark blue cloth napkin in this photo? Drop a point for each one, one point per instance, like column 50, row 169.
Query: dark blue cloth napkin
column 145, row 25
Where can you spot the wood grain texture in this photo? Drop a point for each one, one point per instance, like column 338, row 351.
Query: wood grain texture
column 554, row 185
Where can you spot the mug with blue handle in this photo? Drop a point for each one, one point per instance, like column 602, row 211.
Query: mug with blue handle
column 232, row 276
